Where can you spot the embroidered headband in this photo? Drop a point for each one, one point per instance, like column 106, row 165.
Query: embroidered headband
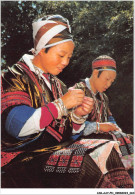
column 49, row 31
column 104, row 62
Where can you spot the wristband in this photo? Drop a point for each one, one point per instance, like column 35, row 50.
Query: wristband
column 98, row 127
column 62, row 110
column 76, row 119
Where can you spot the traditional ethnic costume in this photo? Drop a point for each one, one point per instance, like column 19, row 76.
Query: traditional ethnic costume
column 38, row 150
column 101, row 113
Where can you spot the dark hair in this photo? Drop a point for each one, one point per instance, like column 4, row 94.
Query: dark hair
column 47, row 49
column 99, row 73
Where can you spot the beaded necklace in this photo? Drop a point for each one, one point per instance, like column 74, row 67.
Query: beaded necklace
column 56, row 89
column 56, row 83
column 98, row 111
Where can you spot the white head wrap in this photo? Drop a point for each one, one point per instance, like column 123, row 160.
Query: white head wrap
column 45, row 30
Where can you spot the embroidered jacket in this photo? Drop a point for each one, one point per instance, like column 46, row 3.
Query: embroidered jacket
column 70, row 166
column 20, row 86
column 102, row 101
column 103, row 114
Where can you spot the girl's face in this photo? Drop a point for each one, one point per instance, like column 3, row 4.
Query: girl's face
column 105, row 80
column 57, row 58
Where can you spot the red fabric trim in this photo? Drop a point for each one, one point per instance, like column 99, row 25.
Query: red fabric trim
column 104, row 62
column 54, row 133
column 14, row 98
column 61, row 129
column 76, row 161
column 46, row 117
column 15, row 93
column 127, row 140
column 122, row 143
column 64, row 159
column 53, row 160
column 6, row 157
column 76, row 126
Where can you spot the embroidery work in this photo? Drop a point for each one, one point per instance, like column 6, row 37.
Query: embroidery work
column 70, row 158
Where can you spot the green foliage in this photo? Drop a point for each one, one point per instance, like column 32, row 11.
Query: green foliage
column 99, row 27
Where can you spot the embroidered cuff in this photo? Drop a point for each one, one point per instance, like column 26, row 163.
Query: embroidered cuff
column 62, row 110
column 76, row 119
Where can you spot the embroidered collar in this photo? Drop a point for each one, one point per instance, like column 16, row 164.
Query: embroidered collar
column 28, row 60
column 40, row 73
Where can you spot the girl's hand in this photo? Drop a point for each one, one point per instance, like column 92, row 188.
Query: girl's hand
column 85, row 108
column 107, row 126
column 73, row 98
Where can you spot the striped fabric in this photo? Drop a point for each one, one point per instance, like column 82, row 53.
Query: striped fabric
column 45, row 30
column 14, row 98
column 104, row 62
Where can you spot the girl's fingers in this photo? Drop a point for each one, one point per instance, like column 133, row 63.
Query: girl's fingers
column 88, row 98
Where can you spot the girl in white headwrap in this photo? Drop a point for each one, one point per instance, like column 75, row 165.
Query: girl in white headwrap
column 39, row 116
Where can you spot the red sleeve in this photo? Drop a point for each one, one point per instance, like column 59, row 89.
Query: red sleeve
column 46, row 115
column 76, row 126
